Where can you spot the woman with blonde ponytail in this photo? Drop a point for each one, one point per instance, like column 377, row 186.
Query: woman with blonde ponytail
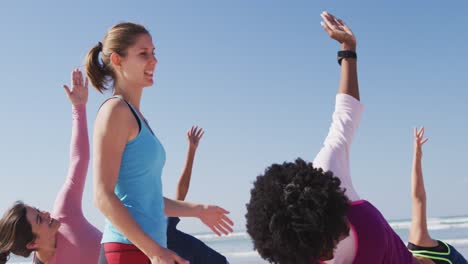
column 128, row 157
column 65, row 235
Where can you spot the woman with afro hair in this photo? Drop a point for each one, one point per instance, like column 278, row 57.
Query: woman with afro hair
column 302, row 212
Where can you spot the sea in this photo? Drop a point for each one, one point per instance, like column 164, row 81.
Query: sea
column 238, row 248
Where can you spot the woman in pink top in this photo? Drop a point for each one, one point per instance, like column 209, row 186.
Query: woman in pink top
column 63, row 236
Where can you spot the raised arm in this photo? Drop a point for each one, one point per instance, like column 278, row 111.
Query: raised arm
column 334, row 155
column 193, row 136
column 68, row 200
column 419, row 235
column 340, row 32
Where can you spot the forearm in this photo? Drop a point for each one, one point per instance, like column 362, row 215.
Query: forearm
column 184, row 180
column 348, row 78
column 418, row 228
column 68, row 200
column 175, row 208
column 79, row 145
column 417, row 182
column 117, row 213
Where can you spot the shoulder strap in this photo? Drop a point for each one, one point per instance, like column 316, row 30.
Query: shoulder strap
column 135, row 114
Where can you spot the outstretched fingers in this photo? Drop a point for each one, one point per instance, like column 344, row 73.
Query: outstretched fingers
column 199, row 133
column 328, row 22
column 215, row 230
column 419, row 136
column 67, row 90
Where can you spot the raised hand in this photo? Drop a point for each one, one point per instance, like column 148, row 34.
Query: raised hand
column 215, row 218
column 419, row 141
column 194, row 135
column 338, row 31
column 168, row 257
column 78, row 94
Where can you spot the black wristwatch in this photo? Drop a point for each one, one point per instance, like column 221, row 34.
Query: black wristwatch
column 343, row 54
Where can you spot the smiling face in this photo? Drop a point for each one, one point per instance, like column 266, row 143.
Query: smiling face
column 43, row 226
column 137, row 67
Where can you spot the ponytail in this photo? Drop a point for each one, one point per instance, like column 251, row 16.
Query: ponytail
column 98, row 73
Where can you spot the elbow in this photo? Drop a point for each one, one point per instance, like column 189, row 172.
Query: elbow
column 100, row 199
column 97, row 201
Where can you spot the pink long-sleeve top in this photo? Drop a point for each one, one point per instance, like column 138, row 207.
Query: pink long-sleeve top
column 78, row 241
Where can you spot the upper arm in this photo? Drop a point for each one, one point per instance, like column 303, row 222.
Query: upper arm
column 346, row 250
column 112, row 130
column 345, row 121
column 334, row 155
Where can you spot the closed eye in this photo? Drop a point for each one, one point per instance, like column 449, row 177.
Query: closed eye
column 38, row 217
column 146, row 54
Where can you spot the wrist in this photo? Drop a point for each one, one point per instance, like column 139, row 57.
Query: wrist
column 199, row 208
column 348, row 46
column 347, row 55
column 192, row 149
column 155, row 252
column 79, row 106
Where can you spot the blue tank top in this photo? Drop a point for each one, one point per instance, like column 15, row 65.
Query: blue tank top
column 139, row 185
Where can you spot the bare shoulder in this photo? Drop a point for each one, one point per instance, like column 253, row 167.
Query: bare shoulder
column 114, row 115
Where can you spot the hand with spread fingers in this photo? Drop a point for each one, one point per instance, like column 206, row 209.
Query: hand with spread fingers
column 194, row 135
column 215, row 218
column 78, row 94
column 419, row 141
column 338, row 31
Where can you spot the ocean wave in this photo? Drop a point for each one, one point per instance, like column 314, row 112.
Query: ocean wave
column 212, row 237
column 434, row 223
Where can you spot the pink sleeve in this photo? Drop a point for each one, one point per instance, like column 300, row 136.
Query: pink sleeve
column 334, row 155
column 68, row 201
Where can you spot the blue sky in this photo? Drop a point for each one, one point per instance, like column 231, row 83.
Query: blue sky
column 260, row 77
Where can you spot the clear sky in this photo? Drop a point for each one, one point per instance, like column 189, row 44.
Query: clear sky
column 260, row 77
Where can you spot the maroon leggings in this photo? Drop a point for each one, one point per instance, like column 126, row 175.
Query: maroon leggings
column 118, row 253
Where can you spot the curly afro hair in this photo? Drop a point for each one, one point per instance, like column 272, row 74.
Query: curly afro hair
column 296, row 213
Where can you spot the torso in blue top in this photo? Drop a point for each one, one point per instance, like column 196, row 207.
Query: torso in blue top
column 139, row 186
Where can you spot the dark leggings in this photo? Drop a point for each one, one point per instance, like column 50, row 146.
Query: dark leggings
column 189, row 247
column 118, row 253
